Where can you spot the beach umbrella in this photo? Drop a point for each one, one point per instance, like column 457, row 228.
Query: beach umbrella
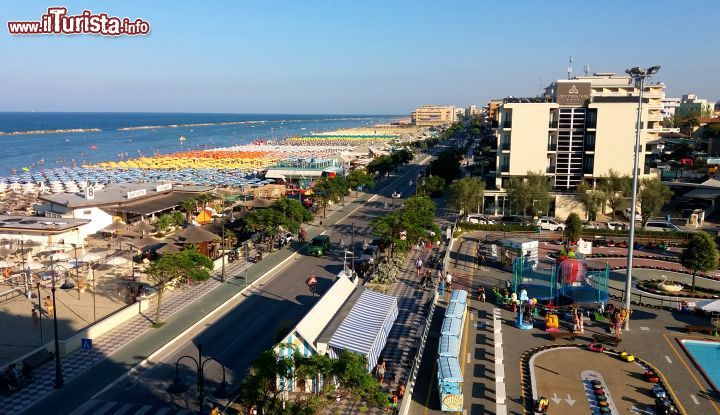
column 31, row 244
column 141, row 243
column 33, row 265
column 194, row 234
column 115, row 226
column 143, row 226
column 168, row 248
column 712, row 306
column 91, row 256
column 118, row 260
column 128, row 233
column 5, row 251
column 59, row 256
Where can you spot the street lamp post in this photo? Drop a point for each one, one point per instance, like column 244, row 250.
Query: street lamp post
column 638, row 75
column 66, row 286
column 222, row 218
column 178, row 387
column 40, row 312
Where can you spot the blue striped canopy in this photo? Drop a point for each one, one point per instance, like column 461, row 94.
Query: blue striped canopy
column 448, row 346
column 365, row 329
column 459, row 296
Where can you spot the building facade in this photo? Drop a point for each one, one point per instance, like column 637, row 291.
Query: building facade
column 430, row 115
column 692, row 106
column 581, row 129
column 669, row 107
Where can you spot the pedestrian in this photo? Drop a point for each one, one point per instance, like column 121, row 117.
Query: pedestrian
column 321, row 223
column 425, row 278
column 481, row 294
column 48, row 306
column 215, row 409
column 441, row 287
column 437, row 244
column 35, row 318
column 448, row 281
column 418, row 266
column 401, row 389
column 429, row 246
column 380, row 369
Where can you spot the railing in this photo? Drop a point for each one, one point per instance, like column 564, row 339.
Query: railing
column 505, row 146
column 507, row 124
column 553, row 124
column 10, row 294
column 505, row 168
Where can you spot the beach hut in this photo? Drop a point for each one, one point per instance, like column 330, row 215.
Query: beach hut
column 205, row 216
column 196, row 235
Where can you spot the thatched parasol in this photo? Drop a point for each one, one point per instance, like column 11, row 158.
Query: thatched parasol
column 143, row 226
column 115, row 226
column 128, row 233
column 168, row 248
column 194, row 235
column 141, row 243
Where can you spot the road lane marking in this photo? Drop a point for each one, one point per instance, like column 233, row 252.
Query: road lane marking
column 668, row 359
column 644, row 328
column 468, row 358
column 694, row 399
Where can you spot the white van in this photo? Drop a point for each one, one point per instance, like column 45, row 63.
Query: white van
column 658, row 225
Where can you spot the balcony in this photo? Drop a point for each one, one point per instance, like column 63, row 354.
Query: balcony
column 505, row 168
column 589, row 146
column 550, row 169
column 507, row 124
column 505, row 146
column 553, row 124
column 552, row 147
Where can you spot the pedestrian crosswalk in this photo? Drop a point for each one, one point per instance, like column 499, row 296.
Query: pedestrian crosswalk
column 102, row 407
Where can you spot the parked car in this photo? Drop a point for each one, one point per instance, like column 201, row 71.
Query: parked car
column 591, row 225
column 319, row 245
column 515, row 220
column 481, row 219
column 661, row 225
column 617, row 226
column 550, row 224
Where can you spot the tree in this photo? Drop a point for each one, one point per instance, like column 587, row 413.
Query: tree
column 466, row 195
column 591, row 198
column 573, row 227
column 359, row 178
column 400, row 157
column 380, row 166
column 616, row 189
column 329, row 189
column 293, row 212
column 653, row 196
column 416, row 219
column 432, row 186
column 189, row 206
column 699, row 255
column 230, row 238
column 530, row 193
column 187, row 264
column 265, row 221
column 447, row 165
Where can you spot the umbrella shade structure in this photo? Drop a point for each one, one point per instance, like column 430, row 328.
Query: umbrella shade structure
column 168, row 248
column 712, row 306
column 29, row 244
column 118, row 260
column 128, row 233
column 33, row 265
column 91, row 256
column 115, row 226
column 59, row 256
column 143, row 226
column 194, row 235
column 5, row 252
column 6, row 264
column 142, row 243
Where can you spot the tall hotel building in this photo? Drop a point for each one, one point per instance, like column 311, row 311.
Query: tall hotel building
column 581, row 129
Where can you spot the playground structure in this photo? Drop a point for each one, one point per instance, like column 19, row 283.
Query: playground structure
column 571, row 281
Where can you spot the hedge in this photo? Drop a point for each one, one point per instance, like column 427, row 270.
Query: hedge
column 500, row 227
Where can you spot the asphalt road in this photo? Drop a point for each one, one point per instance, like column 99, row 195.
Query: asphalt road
column 242, row 331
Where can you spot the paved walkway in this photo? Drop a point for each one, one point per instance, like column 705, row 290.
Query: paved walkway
column 79, row 361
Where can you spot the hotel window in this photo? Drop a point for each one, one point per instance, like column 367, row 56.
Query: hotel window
column 591, row 118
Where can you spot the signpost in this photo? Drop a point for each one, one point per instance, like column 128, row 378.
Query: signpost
column 86, row 344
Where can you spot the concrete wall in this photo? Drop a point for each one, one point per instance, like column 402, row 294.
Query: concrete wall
column 615, row 138
column 99, row 219
column 567, row 204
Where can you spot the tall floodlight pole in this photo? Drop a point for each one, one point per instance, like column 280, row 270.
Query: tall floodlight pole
column 638, row 75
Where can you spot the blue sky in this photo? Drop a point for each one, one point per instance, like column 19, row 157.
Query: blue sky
column 359, row 57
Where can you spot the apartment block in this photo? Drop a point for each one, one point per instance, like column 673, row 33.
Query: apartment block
column 581, row 129
column 431, row 115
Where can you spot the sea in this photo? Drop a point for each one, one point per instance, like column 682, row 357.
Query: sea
column 30, row 141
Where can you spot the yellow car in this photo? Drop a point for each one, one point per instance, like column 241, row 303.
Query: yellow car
column 627, row 357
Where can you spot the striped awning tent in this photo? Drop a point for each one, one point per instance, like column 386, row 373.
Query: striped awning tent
column 366, row 327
